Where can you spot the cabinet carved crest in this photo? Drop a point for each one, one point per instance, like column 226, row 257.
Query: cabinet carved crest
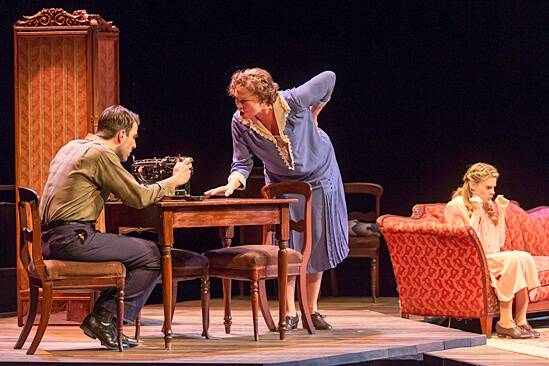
column 59, row 17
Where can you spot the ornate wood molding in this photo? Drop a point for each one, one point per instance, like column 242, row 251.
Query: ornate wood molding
column 59, row 17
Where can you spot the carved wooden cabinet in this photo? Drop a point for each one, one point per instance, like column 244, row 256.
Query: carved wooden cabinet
column 66, row 73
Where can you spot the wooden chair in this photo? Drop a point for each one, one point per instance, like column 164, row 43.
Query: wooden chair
column 363, row 246
column 188, row 265
column 52, row 274
column 257, row 263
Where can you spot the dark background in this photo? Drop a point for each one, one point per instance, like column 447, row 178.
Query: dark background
column 423, row 88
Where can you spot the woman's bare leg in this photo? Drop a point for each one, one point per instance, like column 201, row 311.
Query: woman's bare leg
column 314, row 280
column 521, row 306
column 506, row 314
column 290, row 297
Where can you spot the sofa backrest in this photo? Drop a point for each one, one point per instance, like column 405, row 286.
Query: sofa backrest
column 526, row 231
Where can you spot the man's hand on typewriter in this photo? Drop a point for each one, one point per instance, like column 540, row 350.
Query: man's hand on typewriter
column 182, row 171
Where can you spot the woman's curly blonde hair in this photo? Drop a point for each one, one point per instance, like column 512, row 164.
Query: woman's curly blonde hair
column 256, row 80
column 477, row 173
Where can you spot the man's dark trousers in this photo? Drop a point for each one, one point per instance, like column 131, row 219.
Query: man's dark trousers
column 81, row 242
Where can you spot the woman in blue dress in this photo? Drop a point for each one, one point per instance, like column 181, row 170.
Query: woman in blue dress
column 281, row 129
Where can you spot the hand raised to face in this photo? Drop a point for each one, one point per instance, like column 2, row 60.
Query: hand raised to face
column 501, row 201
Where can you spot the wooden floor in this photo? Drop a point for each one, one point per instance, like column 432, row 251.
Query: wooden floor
column 363, row 333
column 482, row 356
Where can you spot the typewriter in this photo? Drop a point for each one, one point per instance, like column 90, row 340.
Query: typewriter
column 150, row 171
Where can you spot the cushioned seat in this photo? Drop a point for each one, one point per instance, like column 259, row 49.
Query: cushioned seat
column 541, row 293
column 364, row 242
column 59, row 270
column 262, row 257
column 188, row 264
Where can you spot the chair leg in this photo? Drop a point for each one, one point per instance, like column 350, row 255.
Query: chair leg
column 227, row 305
column 205, row 301
column 486, row 325
column 47, row 295
column 30, row 317
column 254, row 289
column 306, row 319
column 333, row 282
column 120, row 314
column 264, row 306
column 175, row 284
column 20, row 312
column 174, row 300
column 374, row 274
column 138, row 326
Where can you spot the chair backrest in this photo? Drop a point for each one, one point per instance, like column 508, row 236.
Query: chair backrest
column 30, row 233
column 305, row 225
column 365, row 188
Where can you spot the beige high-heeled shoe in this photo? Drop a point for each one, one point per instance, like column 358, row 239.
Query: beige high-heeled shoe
column 515, row 332
column 527, row 327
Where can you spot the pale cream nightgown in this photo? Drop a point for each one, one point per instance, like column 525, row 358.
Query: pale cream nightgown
column 510, row 271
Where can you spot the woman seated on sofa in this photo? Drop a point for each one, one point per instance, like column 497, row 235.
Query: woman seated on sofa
column 512, row 273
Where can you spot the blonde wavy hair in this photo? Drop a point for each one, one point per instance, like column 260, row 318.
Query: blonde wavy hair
column 477, row 173
column 256, row 80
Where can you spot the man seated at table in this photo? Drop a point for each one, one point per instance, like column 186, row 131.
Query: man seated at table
column 81, row 177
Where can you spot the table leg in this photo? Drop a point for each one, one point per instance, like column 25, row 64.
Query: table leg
column 283, row 235
column 282, row 284
column 226, row 233
column 167, row 294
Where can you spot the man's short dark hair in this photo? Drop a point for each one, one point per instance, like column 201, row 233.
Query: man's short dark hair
column 116, row 118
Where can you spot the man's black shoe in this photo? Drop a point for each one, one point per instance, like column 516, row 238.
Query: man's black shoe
column 95, row 329
column 129, row 341
column 126, row 340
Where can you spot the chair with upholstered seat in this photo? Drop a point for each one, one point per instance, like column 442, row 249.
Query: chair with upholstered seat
column 363, row 244
column 259, row 262
column 188, row 265
column 51, row 274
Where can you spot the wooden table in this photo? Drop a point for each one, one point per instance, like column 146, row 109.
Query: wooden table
column 225, row 213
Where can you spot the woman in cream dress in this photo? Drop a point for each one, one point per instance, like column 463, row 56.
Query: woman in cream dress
column 512, row 273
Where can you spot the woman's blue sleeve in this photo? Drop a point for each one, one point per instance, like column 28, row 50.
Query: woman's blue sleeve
column 242, row 156
column 317, row 90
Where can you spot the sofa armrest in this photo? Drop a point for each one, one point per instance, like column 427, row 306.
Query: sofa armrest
column 440, row 269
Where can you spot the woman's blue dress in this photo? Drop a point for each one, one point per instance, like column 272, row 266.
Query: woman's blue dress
column 302, row 152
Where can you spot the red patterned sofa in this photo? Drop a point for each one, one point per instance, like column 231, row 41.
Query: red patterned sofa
column 441, row 269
